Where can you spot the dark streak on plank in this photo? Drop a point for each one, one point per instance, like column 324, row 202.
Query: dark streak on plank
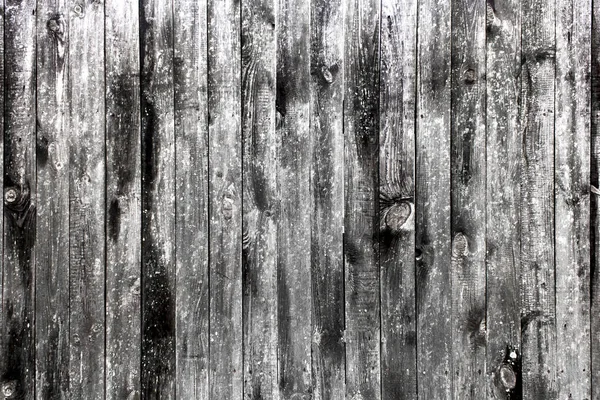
column 225, row 194
column 86, row 200
column 504, row 141
column 361, row 219
column 572, row 195
column 595, row 203
column 327, row 90
column 294, row 177
column 537, row 201
column 468, row 172
column 158, row 200
column 17, row 347
column 260, row 205
column 397, row 199
column 434, row 326
column 123, row 208
column 52, row 251
column 191, row 241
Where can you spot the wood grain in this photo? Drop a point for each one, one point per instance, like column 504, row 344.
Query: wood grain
column 191, row 188
column 397, row 199
column 17, row 346
column 432, row 237
column 123, row 201
column 52, row 222
column 362, row 285
column 261, row 207
column 294, row 178
column 595, row 203
column 158, row 200
column 225, row 194
column 468, row 175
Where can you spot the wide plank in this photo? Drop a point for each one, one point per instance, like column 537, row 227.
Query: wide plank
column 595, row 203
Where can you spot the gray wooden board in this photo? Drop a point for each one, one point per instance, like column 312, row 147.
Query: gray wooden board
column 595, row 203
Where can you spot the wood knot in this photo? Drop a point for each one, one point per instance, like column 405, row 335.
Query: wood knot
column 327, row 75
column 9, row 389
column 470, row 76
column 227, row 207
column 55, row 25
column 508, row 377
column 78, row 10
column 397, row 215
column 459, row 245
column 10, row 196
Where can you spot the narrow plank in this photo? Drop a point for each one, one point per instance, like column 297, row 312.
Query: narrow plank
column 362, row 285
column 123, row 201
column 225, row 193
column 468, row 175
column 503, row 169
column 17, row 346
column 571, row 182
column 294, row 177
column 326, row 130
column 261, row 209
column 537, row 201
column 86, row 200
column 595, row 202
column 397, row 199
column 191, row 241
column 432, row 229
column 158, row 200
column 52, row 223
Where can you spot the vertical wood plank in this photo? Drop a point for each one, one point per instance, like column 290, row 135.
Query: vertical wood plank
column 362, row 285
column 294, row 224
column 52, row 223
column 17, row 346
column 86, row 199
column 595, row 202
column 158, row 200
column 397, row 199
column 123, row 201
column 260, row 203
column 191, row 241
column 225, row 193
column 432, row 240
column 503, row 150
column 327, row 92
column 468, row 175
column 572, row 177
column 537, row 201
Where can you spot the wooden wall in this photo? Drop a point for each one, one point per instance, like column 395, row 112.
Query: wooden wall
column 300, row 199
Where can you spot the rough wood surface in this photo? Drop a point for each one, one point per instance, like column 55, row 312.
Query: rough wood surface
column 432, row 240
column 294, row 222
column 572, row 194
column 327, row 258
column 52, row 222
column 123, row 201
column 468, row 172
column 191, row 188
column 17, row 347
column 397, row 199
column 503, row 170
column 538, row 317
column 225, row 194
column 361, row 247
column 595, row 203
column 158, row 200
column 261, row 208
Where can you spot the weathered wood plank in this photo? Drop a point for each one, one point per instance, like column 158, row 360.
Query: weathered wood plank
column 191, row 241
column 537, row 201
column 397, row 199
column 17, row 346
column 572, row 194
column 595, row 202
column 361, row 247
column 86, row 200
column 123, row 201
column 294, row 222
column 158, row 200
column 327, row 91
column 468, row 172
column 225, row 193
column 503, row 169
column 52, row 223
column 260, row 204
column 432, row 238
